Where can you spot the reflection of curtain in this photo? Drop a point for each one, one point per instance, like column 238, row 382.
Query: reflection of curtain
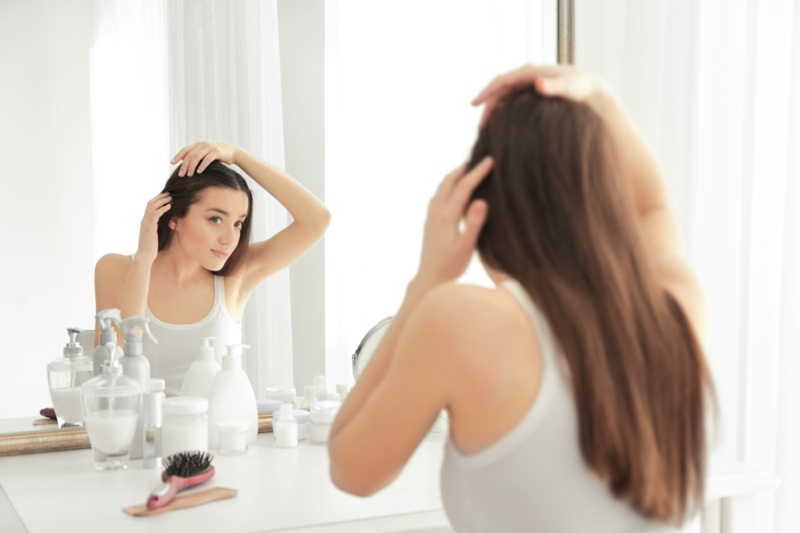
column 716, row 88
column 225, row 85
column 164, row 75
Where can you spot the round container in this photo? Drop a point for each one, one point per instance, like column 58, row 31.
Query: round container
column 303, row 419
column 185, row 426
column 284, row 395
column 322, row 416
column 268, row 405
column 232, row 436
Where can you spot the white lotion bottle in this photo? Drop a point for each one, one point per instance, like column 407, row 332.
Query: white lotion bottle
column 107, row 318
column 201, row 374
column 136, row 366
column 232, row 397
column 285, row 427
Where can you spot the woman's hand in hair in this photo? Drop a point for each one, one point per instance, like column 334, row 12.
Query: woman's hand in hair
column 148, row 231
column 563, row 81
column 446, row 251
column 196, row 157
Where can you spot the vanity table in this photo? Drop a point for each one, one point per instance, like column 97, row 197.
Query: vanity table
column 284, row 490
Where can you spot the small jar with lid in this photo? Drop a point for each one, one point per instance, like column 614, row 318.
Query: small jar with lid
column 322, row 416
column 185, row 425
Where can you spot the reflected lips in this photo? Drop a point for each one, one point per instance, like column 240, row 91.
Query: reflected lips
column 220, row 253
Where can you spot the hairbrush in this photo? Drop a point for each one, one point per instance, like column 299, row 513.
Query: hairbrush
column 181, row 470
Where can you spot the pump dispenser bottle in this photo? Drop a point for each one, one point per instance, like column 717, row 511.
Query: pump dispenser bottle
column 111, row 406
column 65, row 376
column 201, row 374
column 232, row 397
column 136, row 366
column 107, row 318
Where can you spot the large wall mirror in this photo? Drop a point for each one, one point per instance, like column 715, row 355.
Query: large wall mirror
column 371, row 120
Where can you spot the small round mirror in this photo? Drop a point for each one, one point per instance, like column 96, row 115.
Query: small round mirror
column 368, row 346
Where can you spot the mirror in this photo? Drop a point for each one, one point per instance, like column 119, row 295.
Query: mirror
column 48, row 127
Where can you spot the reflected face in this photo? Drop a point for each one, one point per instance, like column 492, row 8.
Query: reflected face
column 211, row 229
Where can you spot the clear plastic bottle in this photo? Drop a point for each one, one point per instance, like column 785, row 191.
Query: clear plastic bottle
column 65, row 376
column 136, row 366
column 153, row 414
column 285, row 428
column 106, row 318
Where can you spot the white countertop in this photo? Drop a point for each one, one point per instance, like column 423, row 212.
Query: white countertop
column 278, row 490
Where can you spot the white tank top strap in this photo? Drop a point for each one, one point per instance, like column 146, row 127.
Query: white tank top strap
column 546, row 341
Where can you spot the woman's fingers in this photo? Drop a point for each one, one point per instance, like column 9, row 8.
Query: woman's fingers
column 473, row 222
column 466, row 185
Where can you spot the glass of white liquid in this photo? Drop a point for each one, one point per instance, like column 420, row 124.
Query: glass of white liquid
column 111, row 406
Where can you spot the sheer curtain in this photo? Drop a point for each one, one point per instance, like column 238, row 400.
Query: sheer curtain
column 225, row 85
column 715, row 86
column 165, row 74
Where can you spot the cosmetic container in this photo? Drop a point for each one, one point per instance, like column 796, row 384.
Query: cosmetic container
column 232, row 437
column 267, row 405
column 65, row 376
column 284, row 395
column 201, row 374
column 153, row 413
column 185, row 426
column 285, row 428
column 106, row 318
column 111, row 406
column 303, row 419
column 322, row 416
column 309, row 397
column 343, row 389
column 232, row 397
column 136, row 366
column 320, row 388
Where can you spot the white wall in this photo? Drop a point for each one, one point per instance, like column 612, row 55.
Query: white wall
column 46, row 275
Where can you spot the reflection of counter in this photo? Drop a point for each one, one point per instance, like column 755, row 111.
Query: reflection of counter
column 280, row 490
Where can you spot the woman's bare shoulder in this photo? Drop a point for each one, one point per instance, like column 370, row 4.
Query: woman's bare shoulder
column 113, row 263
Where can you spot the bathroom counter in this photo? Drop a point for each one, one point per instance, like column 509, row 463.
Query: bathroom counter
column 285, row 490
column 278, row 490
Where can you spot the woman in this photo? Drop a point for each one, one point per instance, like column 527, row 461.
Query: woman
column 576, row 389
column 195, row 268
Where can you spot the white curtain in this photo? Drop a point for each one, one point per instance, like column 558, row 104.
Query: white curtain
column 165, row 74
column 399, row 81
column 225, row 85
column 715, row 86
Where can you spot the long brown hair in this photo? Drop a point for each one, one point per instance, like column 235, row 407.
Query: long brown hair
column 186, row 191
column 562, row 222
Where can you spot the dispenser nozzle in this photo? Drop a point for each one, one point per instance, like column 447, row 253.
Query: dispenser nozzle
column 130, row 324
column 236, row 349
column 108, row 316
column 72, row 347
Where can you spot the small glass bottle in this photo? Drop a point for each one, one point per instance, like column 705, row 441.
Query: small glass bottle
column 185, row 426
column 152, row 411
column 285, row 428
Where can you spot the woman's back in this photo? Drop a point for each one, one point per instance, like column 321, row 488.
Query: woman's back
column 531, row 475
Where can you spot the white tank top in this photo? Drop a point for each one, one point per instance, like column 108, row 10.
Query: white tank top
column 179, row 344
column 533, row 479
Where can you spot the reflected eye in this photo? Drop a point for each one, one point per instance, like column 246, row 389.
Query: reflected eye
column 215, row 220
column 239, row 224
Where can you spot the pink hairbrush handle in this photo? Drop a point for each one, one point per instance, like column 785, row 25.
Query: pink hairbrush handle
column 164, row 493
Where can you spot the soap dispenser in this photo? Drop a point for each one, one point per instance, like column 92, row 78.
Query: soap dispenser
column 136, row 366
column 65, row 376
column 232, row 397
column 111, row 406
column 201, row 374
column 107, row 318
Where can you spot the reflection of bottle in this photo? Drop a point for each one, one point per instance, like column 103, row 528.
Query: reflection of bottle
column 285, row 427
column 136, row 366
column 65, row 376
column 111, row 405
column 232, row 397
column 107, row 318
column 152, row 417
column 201, row 374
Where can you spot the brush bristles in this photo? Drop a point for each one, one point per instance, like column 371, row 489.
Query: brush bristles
column 187, row 464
